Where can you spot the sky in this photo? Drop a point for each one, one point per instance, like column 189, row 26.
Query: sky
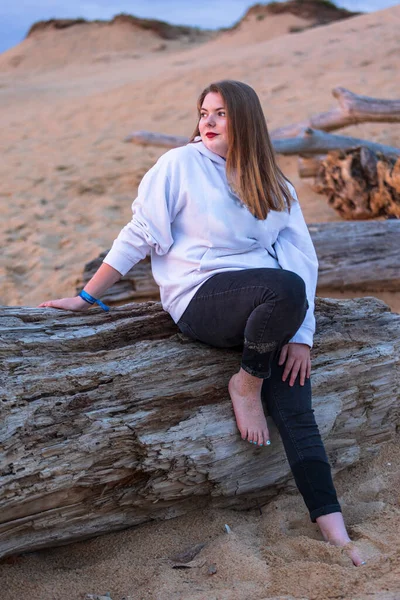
column 16, row 16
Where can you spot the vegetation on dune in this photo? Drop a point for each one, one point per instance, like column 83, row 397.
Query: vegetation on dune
column 54, row 24
column 320, row 11
column 163, row 29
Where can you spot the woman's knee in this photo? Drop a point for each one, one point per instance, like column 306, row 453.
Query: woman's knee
column 289, row 288
column 293, row 286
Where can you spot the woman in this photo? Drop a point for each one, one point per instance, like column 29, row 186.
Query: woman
column 236, row 266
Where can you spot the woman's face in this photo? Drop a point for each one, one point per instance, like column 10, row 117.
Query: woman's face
column 213, row 124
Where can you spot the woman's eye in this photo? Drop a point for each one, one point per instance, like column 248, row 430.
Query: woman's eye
column 202, row 115
column 221, row 113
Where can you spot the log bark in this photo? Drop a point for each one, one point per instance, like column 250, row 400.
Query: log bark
column 313, row 142
column 357, row 256
column 352, row 109
column 309, row 142
column 354, row 256
column 111, row 420
column 360, row 184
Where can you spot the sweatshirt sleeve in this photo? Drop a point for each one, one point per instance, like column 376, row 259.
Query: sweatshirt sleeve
column 295, row 252
column 150, row 226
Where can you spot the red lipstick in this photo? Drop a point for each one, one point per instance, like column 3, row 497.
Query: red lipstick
column 210, row 134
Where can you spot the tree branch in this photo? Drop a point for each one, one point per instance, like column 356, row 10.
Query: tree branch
column 352, row 109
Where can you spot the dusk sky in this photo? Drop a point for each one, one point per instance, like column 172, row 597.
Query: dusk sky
column 17, row 16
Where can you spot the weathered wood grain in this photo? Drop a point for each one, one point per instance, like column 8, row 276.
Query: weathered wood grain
column 358, row 256
column 111, row 420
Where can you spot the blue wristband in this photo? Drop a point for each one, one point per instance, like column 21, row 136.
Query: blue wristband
column 90, row 300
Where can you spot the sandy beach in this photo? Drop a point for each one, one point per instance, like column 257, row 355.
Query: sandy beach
column 67, row 100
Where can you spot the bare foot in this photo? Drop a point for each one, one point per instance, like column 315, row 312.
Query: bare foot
column 353, row 553
column 334, row 532
column 245, row 393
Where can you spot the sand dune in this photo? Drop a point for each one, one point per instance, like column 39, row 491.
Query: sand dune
column 252, row 29
column 67, row 182
column 56, row 43
column 263, row 22
column 60, row 42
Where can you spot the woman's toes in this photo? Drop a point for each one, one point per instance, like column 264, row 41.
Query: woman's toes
column 354, row 554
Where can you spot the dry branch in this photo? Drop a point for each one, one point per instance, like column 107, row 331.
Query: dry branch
column 352, row 109
column 360, row 184
column 359, row 256
column 148, row 138
column 311, row 141
column 111, row 420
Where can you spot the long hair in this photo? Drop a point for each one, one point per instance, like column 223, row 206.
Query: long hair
column 251, row 167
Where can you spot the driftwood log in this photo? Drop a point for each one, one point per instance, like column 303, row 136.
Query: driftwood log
column 149, row 138
column 313, row 141
column 352, row 109
column 360, row 184
column 359, row 256
column 309, row 141
column 111, row 420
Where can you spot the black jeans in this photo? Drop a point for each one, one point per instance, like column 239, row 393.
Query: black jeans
column 261, row 310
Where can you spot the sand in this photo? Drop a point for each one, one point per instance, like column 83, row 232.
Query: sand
column 67, row 183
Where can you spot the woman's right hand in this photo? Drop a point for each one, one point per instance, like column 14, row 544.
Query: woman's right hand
column 76, row 304
column 103, row 279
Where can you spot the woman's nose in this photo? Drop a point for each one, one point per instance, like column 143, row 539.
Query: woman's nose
column 210, row 120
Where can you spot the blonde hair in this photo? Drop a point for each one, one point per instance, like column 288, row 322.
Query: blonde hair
column 251, row 167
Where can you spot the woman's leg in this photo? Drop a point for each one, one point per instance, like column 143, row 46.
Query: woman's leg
column 259, row 309
column 262, row 309
column 291, row 409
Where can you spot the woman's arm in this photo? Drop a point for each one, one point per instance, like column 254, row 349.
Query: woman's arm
column 150, row 228
column 295, row 252
column 103, row 279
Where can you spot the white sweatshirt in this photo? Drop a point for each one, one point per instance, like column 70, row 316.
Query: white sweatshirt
column 187, row 217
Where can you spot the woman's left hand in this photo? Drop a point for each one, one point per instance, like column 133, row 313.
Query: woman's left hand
column 297, row 357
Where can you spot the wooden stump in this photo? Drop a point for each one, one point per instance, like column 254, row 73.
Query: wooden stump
column 111, row 420
column 360, row 184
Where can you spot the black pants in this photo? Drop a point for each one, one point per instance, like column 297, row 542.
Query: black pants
column 261, row 310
